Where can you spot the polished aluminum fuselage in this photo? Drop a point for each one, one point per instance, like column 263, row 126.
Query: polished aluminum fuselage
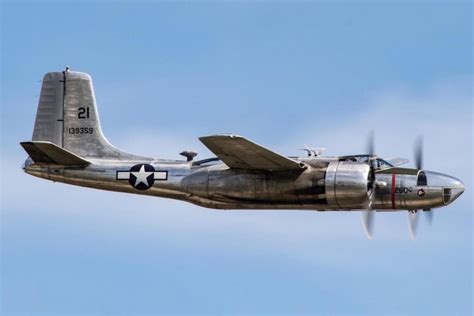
column 318, row 186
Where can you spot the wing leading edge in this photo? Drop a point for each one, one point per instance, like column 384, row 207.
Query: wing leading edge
column 240, row 153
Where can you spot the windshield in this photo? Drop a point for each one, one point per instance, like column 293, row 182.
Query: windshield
column 382, row 164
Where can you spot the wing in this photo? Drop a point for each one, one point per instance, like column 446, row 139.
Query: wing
column 240, row 153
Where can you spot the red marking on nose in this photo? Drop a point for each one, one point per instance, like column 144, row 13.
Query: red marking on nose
column 393, row 190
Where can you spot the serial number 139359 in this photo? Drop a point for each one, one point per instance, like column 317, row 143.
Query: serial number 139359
column 80, row 130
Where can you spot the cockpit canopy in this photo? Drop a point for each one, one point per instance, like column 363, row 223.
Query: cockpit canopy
column 379, row 163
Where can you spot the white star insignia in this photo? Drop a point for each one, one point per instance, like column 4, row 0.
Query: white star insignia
column 142, row 176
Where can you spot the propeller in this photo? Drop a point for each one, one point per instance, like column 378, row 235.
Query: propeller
column 413, row 223
column 370, row 146
column 418, row 150
column 368, row 220
column 368, row 215
column 429, row 214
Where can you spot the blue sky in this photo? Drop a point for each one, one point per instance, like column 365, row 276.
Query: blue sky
column 282, row 74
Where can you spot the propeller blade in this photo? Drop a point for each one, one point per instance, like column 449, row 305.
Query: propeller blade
column 370, row 149
column 429, row 216
column 368, row 220
column 418, row 149
column 413, row 223
column 368, row 215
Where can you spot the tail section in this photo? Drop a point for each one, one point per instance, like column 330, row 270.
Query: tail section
column 67, row 116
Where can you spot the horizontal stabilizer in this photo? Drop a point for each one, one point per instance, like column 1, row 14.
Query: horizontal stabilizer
column 240, row 153
column 49, row 153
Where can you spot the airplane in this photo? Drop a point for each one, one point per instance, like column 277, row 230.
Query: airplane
column 68, row 146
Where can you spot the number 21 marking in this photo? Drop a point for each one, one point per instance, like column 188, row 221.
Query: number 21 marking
column 83, row 113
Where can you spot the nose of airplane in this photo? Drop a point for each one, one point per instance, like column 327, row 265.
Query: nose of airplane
column 452, row 187
column 457, row 188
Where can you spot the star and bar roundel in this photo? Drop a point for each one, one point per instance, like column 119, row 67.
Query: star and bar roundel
column 142, row 176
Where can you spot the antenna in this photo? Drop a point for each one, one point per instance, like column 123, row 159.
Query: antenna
column 188, row 154
column 313, row 151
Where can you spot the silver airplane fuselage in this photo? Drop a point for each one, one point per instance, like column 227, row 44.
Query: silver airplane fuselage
column 68, row 146
column 325, row 183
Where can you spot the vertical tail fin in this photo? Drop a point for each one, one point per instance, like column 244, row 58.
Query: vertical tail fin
column 67, row 116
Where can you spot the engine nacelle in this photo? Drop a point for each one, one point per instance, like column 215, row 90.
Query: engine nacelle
column 346, row 184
